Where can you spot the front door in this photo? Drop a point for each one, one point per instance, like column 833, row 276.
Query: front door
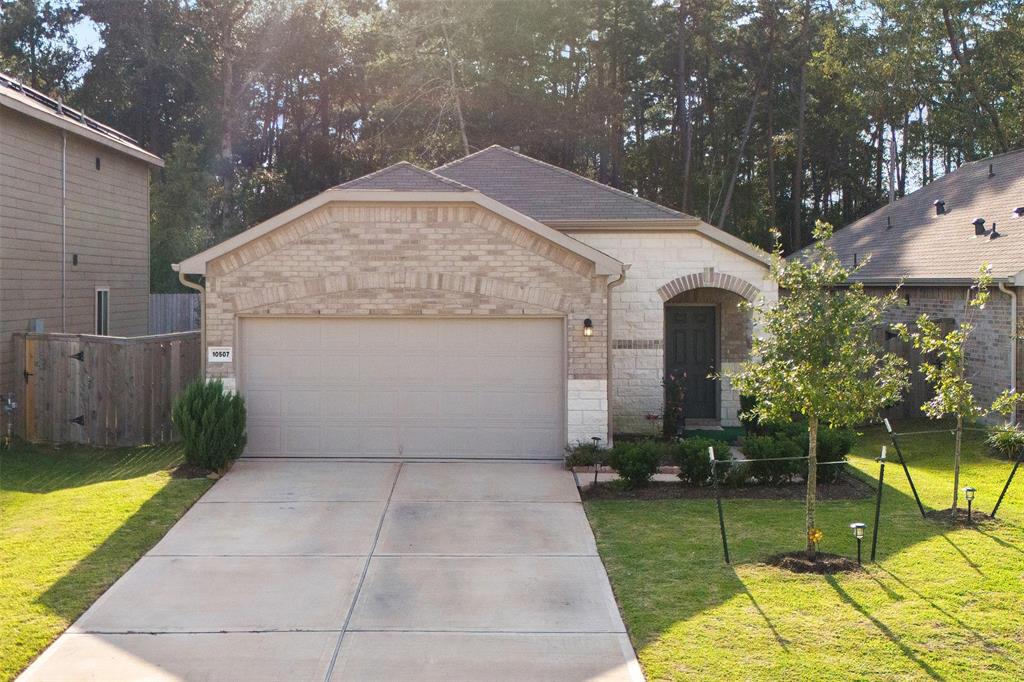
column 690, row 348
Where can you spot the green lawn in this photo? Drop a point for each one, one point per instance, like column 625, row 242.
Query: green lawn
column 72, row 520
column 940, row 604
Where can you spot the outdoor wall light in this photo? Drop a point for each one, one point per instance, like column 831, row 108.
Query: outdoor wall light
column 588, row 327
column 969, row 496
column 858, row 533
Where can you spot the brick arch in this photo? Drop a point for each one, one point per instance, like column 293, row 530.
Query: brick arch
column 711, row 280
column 402, row 279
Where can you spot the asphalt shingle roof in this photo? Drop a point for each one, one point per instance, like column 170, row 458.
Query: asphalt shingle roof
column 907, row 239
column 405, row 177
column 545, row 192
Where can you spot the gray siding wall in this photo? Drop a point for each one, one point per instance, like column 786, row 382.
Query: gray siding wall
column 107, row 227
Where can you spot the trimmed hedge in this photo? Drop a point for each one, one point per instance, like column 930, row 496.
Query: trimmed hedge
column 636, row 462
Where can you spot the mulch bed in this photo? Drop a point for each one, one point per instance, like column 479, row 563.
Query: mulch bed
column 959, row 520
column 188, row 471
column 823, row 563
column 847, row 488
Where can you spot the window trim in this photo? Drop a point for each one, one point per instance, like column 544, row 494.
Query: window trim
column 104, row 328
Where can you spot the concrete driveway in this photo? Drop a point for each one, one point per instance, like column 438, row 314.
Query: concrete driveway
column 327, row 570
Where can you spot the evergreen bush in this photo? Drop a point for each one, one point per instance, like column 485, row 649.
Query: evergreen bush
column 211, row 422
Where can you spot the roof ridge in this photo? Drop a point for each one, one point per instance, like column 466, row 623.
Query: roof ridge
column 407, row 164
column 563, row 171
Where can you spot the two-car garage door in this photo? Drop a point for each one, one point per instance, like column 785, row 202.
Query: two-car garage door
column 404, row 388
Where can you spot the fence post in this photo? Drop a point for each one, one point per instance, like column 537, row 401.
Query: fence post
column 1006, row 487
column 718, row 501
column 878, row 503
column 899, row 453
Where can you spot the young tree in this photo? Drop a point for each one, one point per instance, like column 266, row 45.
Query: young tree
column 816, row 356
column 946, row 368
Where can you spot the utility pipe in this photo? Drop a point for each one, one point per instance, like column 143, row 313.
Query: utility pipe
column 202, row 312
column 608, row 326
column 1013, row 342
column 63, row 230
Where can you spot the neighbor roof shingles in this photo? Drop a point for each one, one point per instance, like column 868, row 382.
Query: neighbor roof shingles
column 545, row 192
column 923, row 246
column 405, row 177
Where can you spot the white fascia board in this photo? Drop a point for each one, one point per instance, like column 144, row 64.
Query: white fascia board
column 196, row 265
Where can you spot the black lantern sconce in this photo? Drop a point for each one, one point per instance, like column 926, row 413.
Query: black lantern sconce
column 588, row 327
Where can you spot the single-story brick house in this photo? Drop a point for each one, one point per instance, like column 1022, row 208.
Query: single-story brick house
column 465, row 312
column 935, row 241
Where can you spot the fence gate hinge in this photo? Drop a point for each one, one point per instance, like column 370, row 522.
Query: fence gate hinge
column 27, row 375
column 80, row 356
column 80, row 420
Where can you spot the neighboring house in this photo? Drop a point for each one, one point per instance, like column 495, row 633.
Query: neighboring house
column 74, row 223
column 464, row 312
column 935, row 241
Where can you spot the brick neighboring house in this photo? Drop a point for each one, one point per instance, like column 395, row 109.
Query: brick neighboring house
column 930, row 241
column 465, row 312
column 74, row 223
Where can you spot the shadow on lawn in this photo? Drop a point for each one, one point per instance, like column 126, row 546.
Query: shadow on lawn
column 89, row 578
column 883, row 628
column 42, row 469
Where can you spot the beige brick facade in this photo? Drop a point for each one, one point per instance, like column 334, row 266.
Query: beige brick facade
column 402, row 260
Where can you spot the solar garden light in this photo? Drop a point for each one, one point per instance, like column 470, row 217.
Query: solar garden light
column 597, row 465
column 858, row 533
column 969, row 496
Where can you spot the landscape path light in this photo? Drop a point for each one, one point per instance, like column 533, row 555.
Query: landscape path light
column 969, row 496
column 858, row 533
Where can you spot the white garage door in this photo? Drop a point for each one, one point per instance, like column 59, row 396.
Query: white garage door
column 409, row 388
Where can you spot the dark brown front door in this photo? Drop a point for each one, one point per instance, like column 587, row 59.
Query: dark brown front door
column 690, row 348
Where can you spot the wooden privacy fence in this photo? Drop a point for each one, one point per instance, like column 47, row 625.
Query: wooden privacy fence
column 102, row 390
column 169, row 313
column 919, row 392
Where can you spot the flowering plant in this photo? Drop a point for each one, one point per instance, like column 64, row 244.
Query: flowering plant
column 675, row 397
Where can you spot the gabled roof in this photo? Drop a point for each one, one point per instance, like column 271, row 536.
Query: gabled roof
column 545, row 192
column 603, row 263
column 23, row 99
column 405, row 177
column 907, row 240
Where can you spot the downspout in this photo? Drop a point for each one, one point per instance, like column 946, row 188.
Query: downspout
column 1013, row 342
column 202, row 311
column 608, row 324
column 63, row 230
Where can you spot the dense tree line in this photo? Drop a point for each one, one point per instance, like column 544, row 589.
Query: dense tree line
column 752, row 114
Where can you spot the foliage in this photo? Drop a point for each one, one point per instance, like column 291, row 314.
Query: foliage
column 636, row 462
column 833, row 446
column 691, row 455
column 817, row 356
column 37, row 43
column 582, row 454
column 763, row 455
column 675, row 402
column 1007, row 440
column 212, row 424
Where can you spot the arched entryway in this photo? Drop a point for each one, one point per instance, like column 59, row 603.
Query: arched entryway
column 707, row 334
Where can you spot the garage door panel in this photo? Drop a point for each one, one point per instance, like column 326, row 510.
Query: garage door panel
column 424, row 388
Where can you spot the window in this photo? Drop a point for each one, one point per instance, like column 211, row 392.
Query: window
column 102, row 311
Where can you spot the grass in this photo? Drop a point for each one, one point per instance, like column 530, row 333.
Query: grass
column 940, row 604
column 72, row 520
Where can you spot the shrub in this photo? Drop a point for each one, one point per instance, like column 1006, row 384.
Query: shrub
column 758, row 448
column 833, row 446
column 691, row 455
column 581, row 454
column 212, row 424
column 1007, row 441
column 635, row 463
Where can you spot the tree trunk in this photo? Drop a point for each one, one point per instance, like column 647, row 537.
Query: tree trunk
column 956, row 462
column 454, row 88
column 972, row 85
column 812, row 477
column 682, row 104
column 739, row 156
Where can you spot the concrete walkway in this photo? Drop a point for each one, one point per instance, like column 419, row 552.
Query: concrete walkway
column 327, row 570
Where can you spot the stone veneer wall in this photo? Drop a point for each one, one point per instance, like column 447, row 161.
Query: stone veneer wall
column 988, row 363
column 410, row 260
column 660, row 262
